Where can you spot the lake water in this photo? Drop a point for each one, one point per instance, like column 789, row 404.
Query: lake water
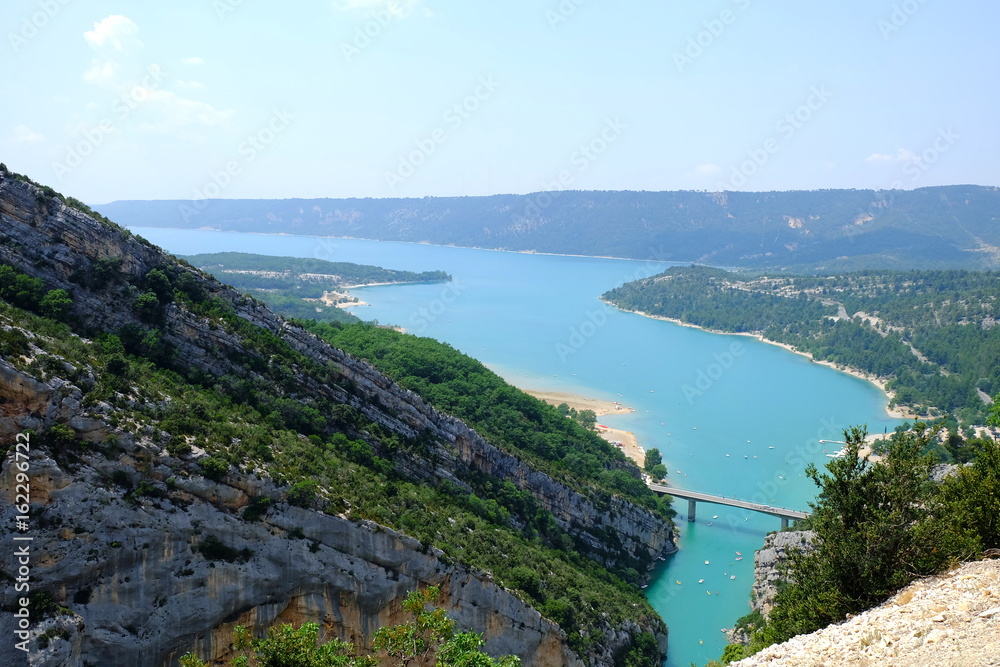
column 733, row 416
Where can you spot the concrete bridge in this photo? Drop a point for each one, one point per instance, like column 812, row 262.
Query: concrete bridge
column 694, row 497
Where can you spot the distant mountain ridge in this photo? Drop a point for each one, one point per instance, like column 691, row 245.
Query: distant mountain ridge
column 935, row 227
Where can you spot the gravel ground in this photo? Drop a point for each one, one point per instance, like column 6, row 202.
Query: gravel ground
column 950, row 620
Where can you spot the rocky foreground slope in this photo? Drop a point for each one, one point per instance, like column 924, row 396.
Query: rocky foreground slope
column 951, row 619
column 132, row 571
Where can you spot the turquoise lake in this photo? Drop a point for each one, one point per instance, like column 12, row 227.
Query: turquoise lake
column 732, row 415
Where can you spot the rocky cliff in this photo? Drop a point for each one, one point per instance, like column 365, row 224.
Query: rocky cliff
column 767, row 574
column 134, row 571
column 766, row 562
column 144, row 593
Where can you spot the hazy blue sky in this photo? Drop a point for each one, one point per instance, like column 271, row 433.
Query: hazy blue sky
column 246, row 98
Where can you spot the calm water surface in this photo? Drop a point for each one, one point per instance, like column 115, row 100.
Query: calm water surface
column 732, row 416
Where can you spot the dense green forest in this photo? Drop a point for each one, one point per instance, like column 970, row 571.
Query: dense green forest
column 878, row 527
column 293, row 286
column 931, row 334
column 819, row 230
column 328, row 456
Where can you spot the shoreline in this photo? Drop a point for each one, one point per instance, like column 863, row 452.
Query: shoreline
column 439, row 245
column 896, row 412
column 629, row 441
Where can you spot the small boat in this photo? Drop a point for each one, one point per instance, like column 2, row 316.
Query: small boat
column 644, row 585
column 738, row 553
column 701, row 581
column 708, row 592
column 733, row 576
column 739, row 558
column 677, row 581
column 706, row 562
column 715, row 516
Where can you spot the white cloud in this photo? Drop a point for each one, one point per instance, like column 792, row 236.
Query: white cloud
column 24, row 134
column 112, row 38
column 708, row 169
column 102, row 72
column 398, row 8
column 177, row 113
column 902, row 155
column 115, row 32
column 118, row 69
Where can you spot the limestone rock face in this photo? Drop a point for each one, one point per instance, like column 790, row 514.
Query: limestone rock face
column 766, row 561
column 145, row 594
column 144, row 591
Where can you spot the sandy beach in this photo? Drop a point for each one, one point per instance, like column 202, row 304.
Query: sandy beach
column 579, row 403
column 898, row 412
column 340, row 300
column 630, row 443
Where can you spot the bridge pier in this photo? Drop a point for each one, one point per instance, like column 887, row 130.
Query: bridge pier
column 784, row 522
column 691, row 505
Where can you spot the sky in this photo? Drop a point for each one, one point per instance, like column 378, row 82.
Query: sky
column 195, row 99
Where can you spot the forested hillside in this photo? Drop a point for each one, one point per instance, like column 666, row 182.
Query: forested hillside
column 199, row 445
column 302, row 287
column 931, row 334
column 936, row 227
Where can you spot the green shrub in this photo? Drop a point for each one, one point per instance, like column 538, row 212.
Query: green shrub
column 13, row 343
column 303, row 493
column 56, row 304
column 213, row 468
